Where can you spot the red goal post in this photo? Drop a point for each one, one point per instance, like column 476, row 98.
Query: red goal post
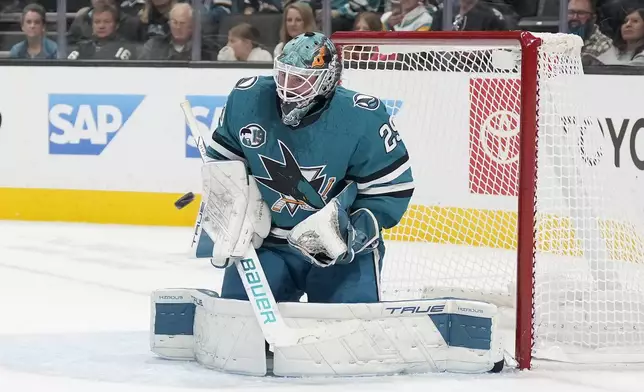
column 526, row 187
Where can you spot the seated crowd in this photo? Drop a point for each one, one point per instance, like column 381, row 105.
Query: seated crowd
column 164, row 29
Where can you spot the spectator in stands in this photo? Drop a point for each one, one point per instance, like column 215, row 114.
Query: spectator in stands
column 82, row 29
column 217, row 10
column 267, row 6
column 581, row 21
column 154, row 18
column 298, row 18
column 11, row 6
column 471, row 15
column 343, row 12
column 243, row 45
column 611, row 14
column 154, row 21
column 132, row 7
column 407, row 15
column 36, row 45
column 628, row 45
column 178, row 44
column 366, row 21
column 105, row 43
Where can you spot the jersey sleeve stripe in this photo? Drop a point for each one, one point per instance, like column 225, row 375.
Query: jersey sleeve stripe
column 398, row 195
column 382, row 172
column 384, row 190
column 400, row 170
column 221, row 150
column 217, row 138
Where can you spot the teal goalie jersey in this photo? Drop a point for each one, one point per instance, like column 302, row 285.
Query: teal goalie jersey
column 299, row 169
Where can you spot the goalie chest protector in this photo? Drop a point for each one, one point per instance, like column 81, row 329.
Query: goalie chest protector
column 301, row 168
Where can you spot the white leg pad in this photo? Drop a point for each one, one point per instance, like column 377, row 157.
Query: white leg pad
column 228, row 337
column 171, row 323
column 422, row 336
column 431, row 335
column 190, row 324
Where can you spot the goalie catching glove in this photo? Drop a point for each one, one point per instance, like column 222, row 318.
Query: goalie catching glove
column 332, row 236
column 232, row 213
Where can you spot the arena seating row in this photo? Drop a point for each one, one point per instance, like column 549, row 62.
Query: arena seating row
column 268, row 25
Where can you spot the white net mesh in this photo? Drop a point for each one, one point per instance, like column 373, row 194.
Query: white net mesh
column 457, row 104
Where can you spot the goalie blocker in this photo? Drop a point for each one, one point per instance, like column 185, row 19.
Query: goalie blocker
column 421, row 336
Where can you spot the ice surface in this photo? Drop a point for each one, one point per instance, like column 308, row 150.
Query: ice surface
column 74, row 316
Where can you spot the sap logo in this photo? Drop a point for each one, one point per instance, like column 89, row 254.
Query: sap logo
column 84, row 124
column 470, row 310
column 393, row 106
column 175, row 297
column 422, row 309
column 207, row 110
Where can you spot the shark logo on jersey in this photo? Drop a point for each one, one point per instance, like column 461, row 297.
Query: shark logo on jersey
column 297, row 186
column 246, row 83
column 252, row 136
column 366, row 101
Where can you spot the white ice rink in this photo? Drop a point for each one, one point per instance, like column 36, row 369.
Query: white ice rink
column 74, row 316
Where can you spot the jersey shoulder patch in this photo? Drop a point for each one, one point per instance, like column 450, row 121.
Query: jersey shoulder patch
column 367, row 102
column 364, row 109
column 251, row 89
column 254, row 85
column 252, row 136
column 246, row 83
column 361, row 114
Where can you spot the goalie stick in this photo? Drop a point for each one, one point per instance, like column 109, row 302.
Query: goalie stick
column 259, row 293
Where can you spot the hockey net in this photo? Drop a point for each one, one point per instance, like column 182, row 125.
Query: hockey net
column 517, row 199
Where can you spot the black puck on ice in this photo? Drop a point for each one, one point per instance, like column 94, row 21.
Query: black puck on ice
column 184, row 200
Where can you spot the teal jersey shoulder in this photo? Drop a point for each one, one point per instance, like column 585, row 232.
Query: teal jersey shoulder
column 300, row 169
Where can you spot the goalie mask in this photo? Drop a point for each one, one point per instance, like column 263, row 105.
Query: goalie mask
column 307, row 71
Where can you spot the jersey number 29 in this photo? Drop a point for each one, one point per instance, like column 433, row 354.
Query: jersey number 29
column 389, row 134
